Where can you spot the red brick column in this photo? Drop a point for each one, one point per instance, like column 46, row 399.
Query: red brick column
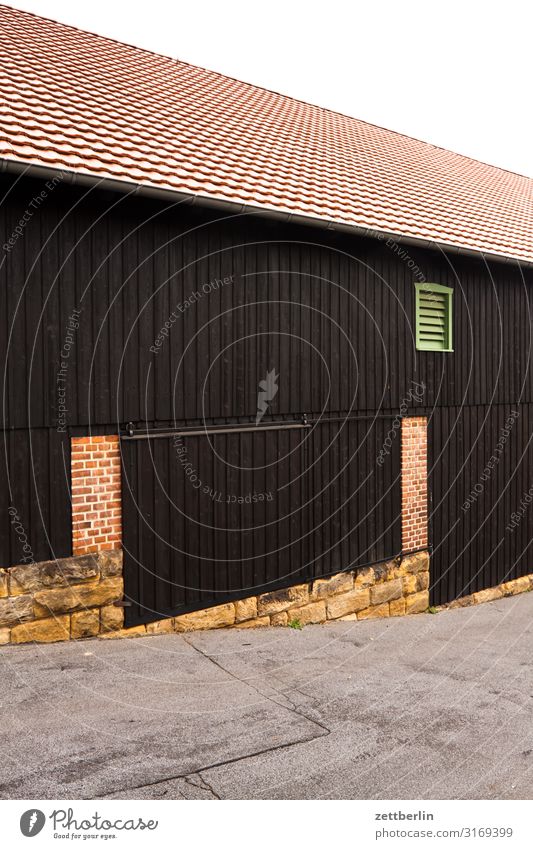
column 414, row 484
column 96, row 499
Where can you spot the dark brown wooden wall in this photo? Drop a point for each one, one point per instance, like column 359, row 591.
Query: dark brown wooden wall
column 351, row 299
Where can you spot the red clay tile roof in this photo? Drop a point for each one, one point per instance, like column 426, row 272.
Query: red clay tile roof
column 78, row 101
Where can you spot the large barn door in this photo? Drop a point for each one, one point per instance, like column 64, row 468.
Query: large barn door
column 480, row 481
column 226, row 512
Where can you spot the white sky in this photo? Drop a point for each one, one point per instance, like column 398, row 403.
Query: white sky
column 457, row 74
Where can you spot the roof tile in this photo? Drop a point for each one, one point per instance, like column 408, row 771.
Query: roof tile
column 82, row 102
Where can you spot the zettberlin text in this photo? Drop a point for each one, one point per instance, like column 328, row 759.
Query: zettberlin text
column 400, row 815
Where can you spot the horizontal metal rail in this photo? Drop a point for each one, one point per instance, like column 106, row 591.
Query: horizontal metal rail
column 208, row 431
column 246, row 427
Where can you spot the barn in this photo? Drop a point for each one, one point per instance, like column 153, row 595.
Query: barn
column 263, row 363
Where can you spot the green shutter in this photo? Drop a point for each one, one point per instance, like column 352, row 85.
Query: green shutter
column 433, row 317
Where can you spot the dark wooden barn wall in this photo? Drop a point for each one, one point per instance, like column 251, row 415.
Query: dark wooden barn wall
column 126, row 267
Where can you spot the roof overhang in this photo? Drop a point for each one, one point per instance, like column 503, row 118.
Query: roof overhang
column 169, row 195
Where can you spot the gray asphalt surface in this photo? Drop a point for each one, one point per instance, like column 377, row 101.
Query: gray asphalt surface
column 431, row 706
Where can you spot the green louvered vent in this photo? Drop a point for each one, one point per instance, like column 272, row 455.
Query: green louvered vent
column 433, row 317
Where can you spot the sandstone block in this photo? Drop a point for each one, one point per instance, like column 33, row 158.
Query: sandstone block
column 279, row 600
column 5, row 636
column 519, row 585
column 415, row 563
column 279, row 619
column 417, row 603
column 42, row 631
column 111, row 618
column 385, row 571
column 162, row 626
column 15, row 610
column 422, row 581
column 350, row 617
column 310, row 613
column 33, row 577
column 86, row 623
column 110, row 563
column 3, row 583
column 409, row 583
column 259, row 622
column 246, row 608
column 397, row 607
column 364, row 577
column 465, row 601
column 380, row 611
column 491, row 594
column 326, row 587
column 214, row 617
column 400, row 570
column 137, row 631
column 67, row 599
column 386, row 591
column 351, row 602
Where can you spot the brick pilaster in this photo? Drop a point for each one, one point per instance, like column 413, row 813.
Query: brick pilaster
column 414, row 484
column 96, row 498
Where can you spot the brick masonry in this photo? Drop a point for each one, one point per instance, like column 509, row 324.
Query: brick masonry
column 414, row 484
column 96, row 495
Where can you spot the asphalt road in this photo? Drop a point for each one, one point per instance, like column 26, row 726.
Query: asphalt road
column 431, row 706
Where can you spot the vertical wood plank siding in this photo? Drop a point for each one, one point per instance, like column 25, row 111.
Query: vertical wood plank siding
column 207, row 518
column 34, row 496
column 481, row 483
column 333, row 313
column 127, row 266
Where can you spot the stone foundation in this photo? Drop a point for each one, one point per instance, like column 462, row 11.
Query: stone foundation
column 76, row 597
column 61, row 599
column 518, row 585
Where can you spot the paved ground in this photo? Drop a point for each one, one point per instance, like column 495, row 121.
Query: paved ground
column 425, row 707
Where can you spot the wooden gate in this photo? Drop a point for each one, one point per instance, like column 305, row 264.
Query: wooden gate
column 224, row 512
column 481, row 486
